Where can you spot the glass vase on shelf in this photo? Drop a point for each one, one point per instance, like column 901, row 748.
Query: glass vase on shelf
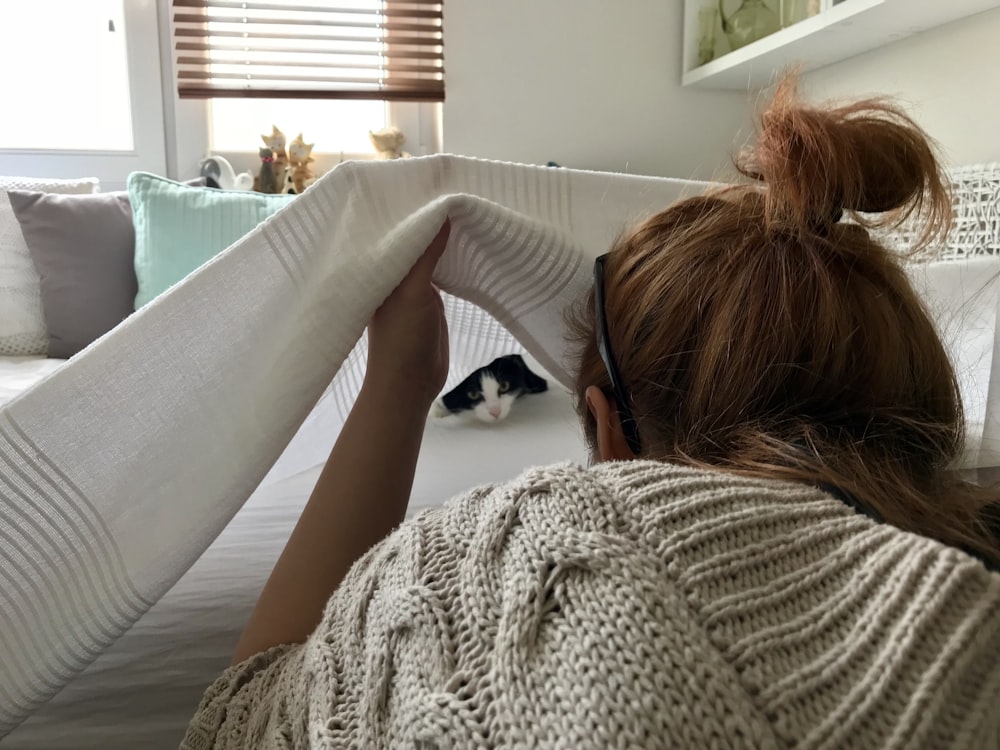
column 752, row 21
column 708, row 20
column 793, row 11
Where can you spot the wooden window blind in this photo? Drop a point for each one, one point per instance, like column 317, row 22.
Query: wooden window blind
column 310, row 49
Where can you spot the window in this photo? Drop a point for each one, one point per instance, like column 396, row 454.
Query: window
column 82, row 90
column 81, row 106
column 388, row 50
column 332, row 71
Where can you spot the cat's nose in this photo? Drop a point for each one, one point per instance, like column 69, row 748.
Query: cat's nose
column 495, row 412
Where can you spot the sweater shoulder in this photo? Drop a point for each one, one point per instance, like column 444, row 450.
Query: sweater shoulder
column 528, row 612
column 630, row 594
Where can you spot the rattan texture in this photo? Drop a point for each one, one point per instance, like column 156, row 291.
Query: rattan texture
column 976, row 227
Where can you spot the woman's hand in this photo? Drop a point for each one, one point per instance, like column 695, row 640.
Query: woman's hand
column 408, row 335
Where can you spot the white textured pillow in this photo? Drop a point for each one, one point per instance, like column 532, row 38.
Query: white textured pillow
column 22, row 327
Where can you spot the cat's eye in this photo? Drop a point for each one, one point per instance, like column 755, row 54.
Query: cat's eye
column 504, row 386
column 473, row 395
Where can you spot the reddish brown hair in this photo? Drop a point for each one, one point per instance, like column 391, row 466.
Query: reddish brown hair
column 758, row 333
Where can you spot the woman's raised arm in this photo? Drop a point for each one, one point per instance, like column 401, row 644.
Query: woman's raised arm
column 365, row 486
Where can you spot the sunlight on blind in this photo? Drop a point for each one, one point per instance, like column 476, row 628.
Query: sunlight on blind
column 295, row 44
column 333, row 125
column 65, row 84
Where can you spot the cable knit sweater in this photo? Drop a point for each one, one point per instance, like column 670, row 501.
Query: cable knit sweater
column 634, row 605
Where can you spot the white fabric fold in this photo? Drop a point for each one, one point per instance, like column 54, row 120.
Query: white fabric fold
column 119, row 469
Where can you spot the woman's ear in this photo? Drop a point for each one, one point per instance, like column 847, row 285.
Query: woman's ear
column 611, row 443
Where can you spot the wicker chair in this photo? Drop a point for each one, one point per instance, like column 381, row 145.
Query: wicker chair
column 976, row 230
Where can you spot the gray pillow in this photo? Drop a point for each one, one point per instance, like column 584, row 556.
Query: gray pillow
column 83, row 247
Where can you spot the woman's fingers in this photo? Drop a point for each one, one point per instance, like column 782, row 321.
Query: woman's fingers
column 423, row 269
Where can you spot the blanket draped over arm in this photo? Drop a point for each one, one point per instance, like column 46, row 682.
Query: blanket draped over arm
column 119, row 470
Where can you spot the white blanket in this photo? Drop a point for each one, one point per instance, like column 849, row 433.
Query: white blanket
column 119, row 470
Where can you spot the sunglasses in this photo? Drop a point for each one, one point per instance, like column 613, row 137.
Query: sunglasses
column 629, row 426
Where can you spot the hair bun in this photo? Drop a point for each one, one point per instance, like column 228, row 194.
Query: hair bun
column 866, row 157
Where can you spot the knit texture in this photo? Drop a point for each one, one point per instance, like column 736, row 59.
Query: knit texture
column 634, row 605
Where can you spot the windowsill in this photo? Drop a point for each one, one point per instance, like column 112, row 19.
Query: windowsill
column 249, row 161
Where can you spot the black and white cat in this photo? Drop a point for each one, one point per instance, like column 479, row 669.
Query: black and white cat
column 490, row 391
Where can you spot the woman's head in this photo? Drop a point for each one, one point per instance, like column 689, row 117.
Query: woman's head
column 756, row 331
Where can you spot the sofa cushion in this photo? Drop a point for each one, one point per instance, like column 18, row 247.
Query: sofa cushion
column 178, row 227
column 82, row 247
column 22, row 324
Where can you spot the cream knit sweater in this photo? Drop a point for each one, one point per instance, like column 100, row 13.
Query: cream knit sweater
column 636, row 605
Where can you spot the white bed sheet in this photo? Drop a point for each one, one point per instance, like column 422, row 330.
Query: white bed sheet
column 18, row 374
column 142, row 691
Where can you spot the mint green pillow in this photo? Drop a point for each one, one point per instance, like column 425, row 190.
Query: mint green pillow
column 179, row 227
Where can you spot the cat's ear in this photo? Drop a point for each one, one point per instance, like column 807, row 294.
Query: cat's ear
column 513, row 359
column 452, row 397
column 533, row 383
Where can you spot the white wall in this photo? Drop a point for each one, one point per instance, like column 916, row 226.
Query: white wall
column 591, row 84
column 949, row 79
column 595, row 84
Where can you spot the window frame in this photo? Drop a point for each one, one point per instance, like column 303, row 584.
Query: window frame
column 421, row 122
column 148, row 152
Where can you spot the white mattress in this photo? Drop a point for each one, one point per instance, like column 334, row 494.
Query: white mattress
column 17, row 374
column 142, row 691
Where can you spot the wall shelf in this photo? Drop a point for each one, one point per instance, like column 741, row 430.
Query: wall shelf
column 849, row 28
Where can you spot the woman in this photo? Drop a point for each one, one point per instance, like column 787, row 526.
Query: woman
column 769, row 549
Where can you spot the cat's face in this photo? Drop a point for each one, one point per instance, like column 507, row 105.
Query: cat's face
column 299, row 149
column 276, row 140
column 490, row 392
column 492, row 399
